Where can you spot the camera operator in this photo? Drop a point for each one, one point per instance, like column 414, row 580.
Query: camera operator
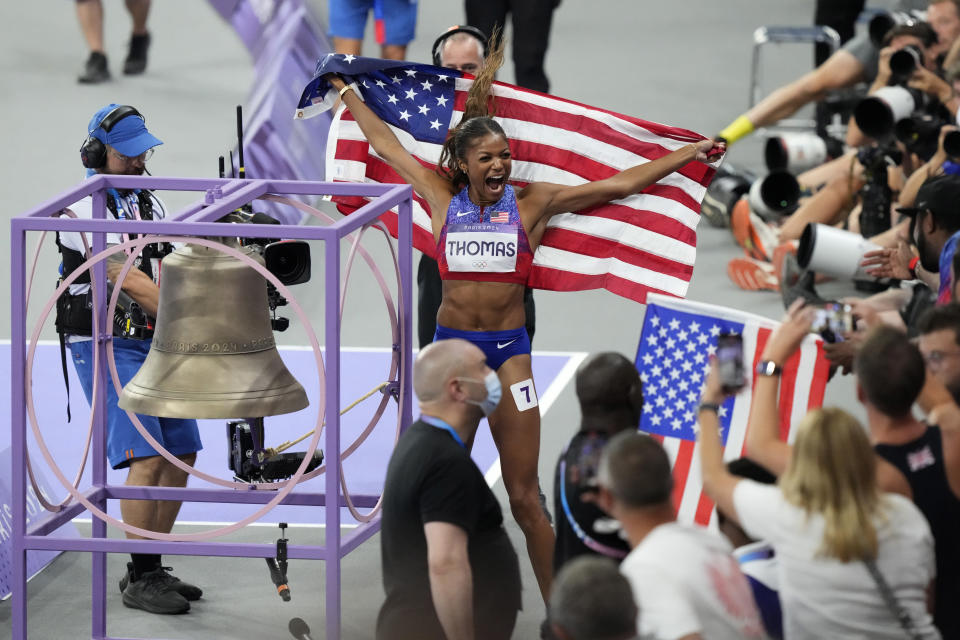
column 855, row 62
column 913, row 458
column 118, row 143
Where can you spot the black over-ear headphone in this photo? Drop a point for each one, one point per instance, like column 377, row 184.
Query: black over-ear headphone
column 458, row 28
column 93, row 153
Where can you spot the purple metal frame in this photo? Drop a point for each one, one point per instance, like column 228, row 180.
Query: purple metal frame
column 221, row 197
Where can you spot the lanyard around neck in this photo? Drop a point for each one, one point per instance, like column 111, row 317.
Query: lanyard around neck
column 440, row 424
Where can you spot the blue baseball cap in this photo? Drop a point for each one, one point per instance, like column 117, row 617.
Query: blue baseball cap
column 129, row 135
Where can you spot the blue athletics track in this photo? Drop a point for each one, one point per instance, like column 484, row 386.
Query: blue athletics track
column 362, row 369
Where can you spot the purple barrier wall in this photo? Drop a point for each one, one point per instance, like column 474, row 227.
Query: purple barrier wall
column 285, row 40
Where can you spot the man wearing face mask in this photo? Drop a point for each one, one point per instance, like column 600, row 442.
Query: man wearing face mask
column 449, row 570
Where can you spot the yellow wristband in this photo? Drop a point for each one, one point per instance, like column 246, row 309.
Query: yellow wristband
column 737, row 129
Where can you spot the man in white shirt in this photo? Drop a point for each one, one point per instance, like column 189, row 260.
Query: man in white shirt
column 685, row 581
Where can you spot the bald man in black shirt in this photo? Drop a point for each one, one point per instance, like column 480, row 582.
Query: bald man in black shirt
column 449, row 570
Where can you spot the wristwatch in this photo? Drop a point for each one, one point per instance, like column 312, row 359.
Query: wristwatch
column 768, row 368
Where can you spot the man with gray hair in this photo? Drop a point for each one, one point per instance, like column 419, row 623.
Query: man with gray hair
column 590, row 600
column 449, row 570
column 684, row 579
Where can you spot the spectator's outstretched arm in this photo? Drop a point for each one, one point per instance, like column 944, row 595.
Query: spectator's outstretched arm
column 842, row 69
column 764, row 445
column 717, row 481
column 451, row 580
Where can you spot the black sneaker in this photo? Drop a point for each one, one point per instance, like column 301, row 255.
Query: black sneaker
column 95, row 71
column 187, row 590
column 152, row 592
column 136, row 61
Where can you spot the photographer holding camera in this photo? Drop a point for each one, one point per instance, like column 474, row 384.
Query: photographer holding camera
column 856, row 62
column 118, row 143
column 906, row 117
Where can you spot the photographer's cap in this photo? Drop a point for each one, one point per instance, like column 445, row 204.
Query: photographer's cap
column 129, row 135
column 940, row 196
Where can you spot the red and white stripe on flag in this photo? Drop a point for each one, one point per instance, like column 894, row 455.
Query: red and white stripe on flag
column 802, row 386
column 643, row 243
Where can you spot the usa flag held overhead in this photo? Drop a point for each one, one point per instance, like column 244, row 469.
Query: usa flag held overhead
column 640, row 244
column 677, row 339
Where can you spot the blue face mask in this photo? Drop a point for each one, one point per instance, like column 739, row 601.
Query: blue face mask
column 494, row 392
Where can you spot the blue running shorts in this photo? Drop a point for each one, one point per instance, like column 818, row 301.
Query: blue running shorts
column 124, row 442
column 348, row 19
column 498, row 346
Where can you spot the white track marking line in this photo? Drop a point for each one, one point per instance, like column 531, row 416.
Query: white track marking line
column 546, row 400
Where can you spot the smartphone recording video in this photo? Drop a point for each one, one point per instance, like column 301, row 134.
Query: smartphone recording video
column 833, row 321
column 730, row 363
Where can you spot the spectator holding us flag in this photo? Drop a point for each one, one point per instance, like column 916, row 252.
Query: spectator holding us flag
column 486, row 233
column 855, row 559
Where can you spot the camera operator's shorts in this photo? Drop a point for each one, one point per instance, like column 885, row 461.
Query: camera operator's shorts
column 348, row 19
column 124, row 442
column 498, row 346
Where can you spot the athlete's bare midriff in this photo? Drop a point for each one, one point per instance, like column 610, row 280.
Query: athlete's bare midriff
column 469, row 305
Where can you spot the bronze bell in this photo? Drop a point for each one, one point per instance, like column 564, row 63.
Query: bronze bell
column 213, row 353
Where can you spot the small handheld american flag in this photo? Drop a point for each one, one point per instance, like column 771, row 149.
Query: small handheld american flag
column 677, row 340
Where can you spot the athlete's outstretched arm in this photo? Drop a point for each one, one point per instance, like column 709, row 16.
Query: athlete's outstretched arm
column 427, row 183
column 552, row 199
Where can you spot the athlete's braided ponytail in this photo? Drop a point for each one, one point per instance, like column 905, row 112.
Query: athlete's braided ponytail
column 476, row 122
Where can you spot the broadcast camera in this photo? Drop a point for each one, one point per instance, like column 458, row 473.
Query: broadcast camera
column 288, row 260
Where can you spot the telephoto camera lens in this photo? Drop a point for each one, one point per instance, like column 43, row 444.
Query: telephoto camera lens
column 905, row 61
column 876, row 114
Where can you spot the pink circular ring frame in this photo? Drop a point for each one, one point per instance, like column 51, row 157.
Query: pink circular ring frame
column 286, row 487
column 302, row 477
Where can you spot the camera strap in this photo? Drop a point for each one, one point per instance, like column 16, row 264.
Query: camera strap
column 63, row 366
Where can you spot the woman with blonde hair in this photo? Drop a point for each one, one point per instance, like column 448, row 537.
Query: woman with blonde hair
column 853, row 562
column 473, row 204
